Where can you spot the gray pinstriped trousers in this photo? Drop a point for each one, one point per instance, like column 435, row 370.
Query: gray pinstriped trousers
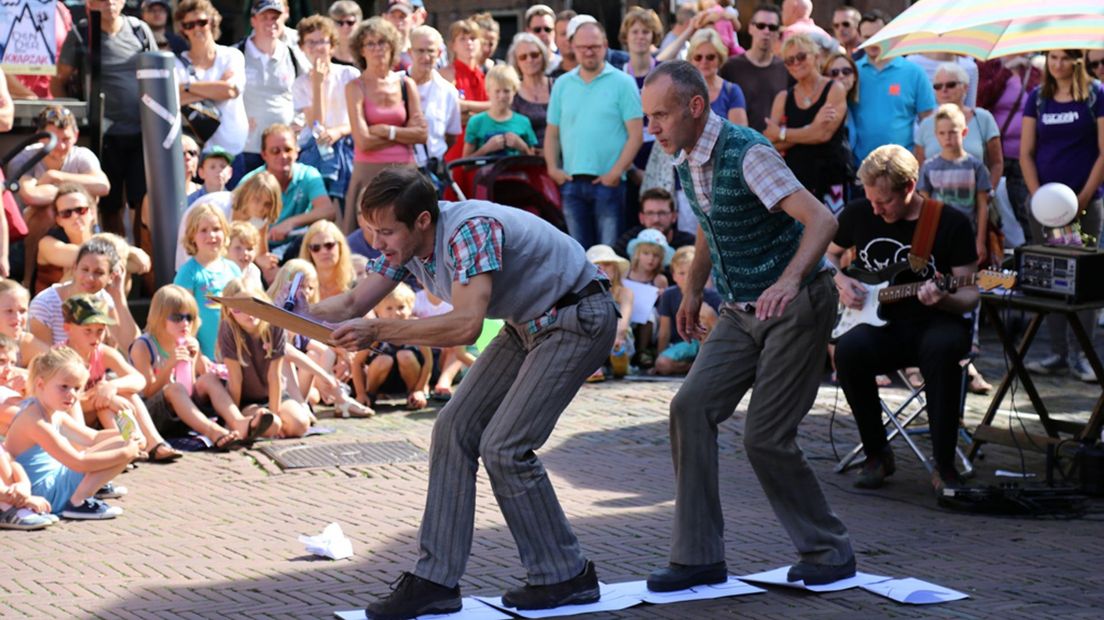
column 784, row 358
column 504, row 410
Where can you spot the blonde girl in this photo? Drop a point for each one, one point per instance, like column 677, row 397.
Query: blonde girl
column 326, row 249
column 169, row 340
column 254, row 353
column 245, row 242
column 14, row 300
column 615, row 268
column 647, row 265
column 208, row 270
column 259, row 201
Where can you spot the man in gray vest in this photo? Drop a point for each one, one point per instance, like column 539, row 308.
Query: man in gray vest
column 487, row 261
column 763, row 236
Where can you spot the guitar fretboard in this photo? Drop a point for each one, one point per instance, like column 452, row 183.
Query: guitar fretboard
column 905, row 291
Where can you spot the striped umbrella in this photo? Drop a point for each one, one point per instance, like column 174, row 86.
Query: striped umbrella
column 987, row 29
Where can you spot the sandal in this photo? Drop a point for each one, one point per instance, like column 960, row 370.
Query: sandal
column 258, row 424
column 914, row 378
column 157, row 453
column 230, row 440
column 442, row 394
column 350, row 408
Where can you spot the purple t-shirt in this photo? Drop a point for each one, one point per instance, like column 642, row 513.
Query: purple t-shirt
column 1066, row 145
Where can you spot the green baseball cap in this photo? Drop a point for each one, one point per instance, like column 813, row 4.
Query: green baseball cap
column 86, row 310
column 216, row 151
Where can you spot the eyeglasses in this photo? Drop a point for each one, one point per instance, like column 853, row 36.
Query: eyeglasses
column 844, row 71
column 375, row 44
column 842, row 25
column 317, row 247
column 655, row 213
column 348, row 23
column 57, row 116
column 182, row 317
column 423, row 51
column 946, row 85
column 1093, row 64
column 202, row 23
column 191, row 153
column 529, row 56
column 316, row 42
column 590, row 49
column 68, row 213
column 544, row 29
column 796, row 59
column 706, row 57
column 766, row 26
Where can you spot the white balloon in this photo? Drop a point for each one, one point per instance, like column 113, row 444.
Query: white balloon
column 1054, row 205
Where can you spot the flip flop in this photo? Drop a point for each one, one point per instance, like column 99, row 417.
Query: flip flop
column 258, row 425
column 441, row 394
column 227, row 442
column 157, row 449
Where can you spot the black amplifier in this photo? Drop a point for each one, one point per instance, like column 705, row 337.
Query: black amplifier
column 1072, row 273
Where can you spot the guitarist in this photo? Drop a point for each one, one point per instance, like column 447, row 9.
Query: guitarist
column 932, row 331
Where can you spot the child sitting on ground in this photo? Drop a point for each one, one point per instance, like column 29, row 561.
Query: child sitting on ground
column 650, row 254
column 19, row 510
column 86, row 320
column 615, row 268
column 500, row 129
column 13, row 382
column 254, row 353
column 450, row 360
column 675, row 354
column 393, row 369
column 245, row 242
column 14, row 301
column 208, row 271
column 65, row 461
column 316, row 372
column 215, row 170
column 168, row 342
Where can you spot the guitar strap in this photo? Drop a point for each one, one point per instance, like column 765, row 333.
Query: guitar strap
column 923, row 239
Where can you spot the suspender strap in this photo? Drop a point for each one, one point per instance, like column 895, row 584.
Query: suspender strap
column 924, row 237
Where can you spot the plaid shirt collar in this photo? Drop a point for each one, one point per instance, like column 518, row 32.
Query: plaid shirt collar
column 703, row 150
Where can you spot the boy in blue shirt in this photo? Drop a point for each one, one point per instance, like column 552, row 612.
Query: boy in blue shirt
column 500, row 129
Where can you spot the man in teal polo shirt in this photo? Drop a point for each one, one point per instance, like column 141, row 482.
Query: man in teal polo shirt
column 893, row 94
column 303, row 191
column 595, row 122
column 763, row 236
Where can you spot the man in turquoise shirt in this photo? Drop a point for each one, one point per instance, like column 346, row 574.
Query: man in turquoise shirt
column 596, row 123
column 893, row 94
column 303, row 191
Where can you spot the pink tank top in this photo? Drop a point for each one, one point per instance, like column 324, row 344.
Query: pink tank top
column 392, row 115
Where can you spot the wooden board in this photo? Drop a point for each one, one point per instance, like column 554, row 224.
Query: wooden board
column 279, row 317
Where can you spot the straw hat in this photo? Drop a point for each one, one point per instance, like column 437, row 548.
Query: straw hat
column 605, row 254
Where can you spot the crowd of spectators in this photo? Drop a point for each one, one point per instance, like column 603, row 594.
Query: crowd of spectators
column 313, row 107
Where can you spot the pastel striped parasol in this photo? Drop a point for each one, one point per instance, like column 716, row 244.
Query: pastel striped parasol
column 987, row 29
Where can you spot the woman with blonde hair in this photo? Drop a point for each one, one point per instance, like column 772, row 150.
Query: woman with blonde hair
column 707, row 53
column 806, row 125
column 326, row 249
column 385, row 111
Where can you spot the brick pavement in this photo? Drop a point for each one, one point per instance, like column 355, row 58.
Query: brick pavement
column 215, row 535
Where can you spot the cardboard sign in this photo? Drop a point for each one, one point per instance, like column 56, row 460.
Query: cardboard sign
column 28, row 37
column 279, row 317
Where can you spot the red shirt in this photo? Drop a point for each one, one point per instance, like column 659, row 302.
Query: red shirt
column 470, row 84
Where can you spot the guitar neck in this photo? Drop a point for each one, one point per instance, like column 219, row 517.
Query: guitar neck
column 900, row 292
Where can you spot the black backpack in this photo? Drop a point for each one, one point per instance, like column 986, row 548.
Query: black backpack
column 79, row 84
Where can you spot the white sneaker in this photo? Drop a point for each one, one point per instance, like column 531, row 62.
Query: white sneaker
column 1049, row 365
column 1082, row 370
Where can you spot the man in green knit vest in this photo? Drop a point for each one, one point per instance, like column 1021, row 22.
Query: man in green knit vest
column 763, row 237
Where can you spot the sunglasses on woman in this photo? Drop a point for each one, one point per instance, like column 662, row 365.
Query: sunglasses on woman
column 529, row 56
column 347, row 22
column 317, row 247
column 182, row 317
column 842, row 71
column 544, row 29
column 1093, row 64
column 202, row 23
column 945, row 85
column 68, row 213
column 796, row 59
column 706, row 57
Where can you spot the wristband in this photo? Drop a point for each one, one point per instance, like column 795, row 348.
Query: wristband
column 782, row 134
column 187, row 87
column 391, row 133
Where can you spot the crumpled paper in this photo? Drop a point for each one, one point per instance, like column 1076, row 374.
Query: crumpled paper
column 331, row 543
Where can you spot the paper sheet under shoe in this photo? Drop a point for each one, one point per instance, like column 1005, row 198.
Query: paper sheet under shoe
column 733, row 587
column 472, row 610
column 914, row 591
column 615, row 597
column 777, row 577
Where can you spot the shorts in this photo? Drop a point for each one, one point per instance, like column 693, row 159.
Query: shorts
column 394, row 383
column 164, row 418
column 682, row 351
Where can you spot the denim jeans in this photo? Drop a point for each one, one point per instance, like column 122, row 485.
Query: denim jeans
column 594, row 212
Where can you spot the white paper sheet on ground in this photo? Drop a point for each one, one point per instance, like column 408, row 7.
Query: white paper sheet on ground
column 472, row 610
column 644, row 300
column 331, row 543
column 777, row 577
column 733, row 587
column 914, row 591
column 615, row 597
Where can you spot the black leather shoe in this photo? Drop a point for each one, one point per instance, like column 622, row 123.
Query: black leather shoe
column 411, row 596
column 876, row 469
column 682, row 576
column 820, row 574
column 578, row 590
